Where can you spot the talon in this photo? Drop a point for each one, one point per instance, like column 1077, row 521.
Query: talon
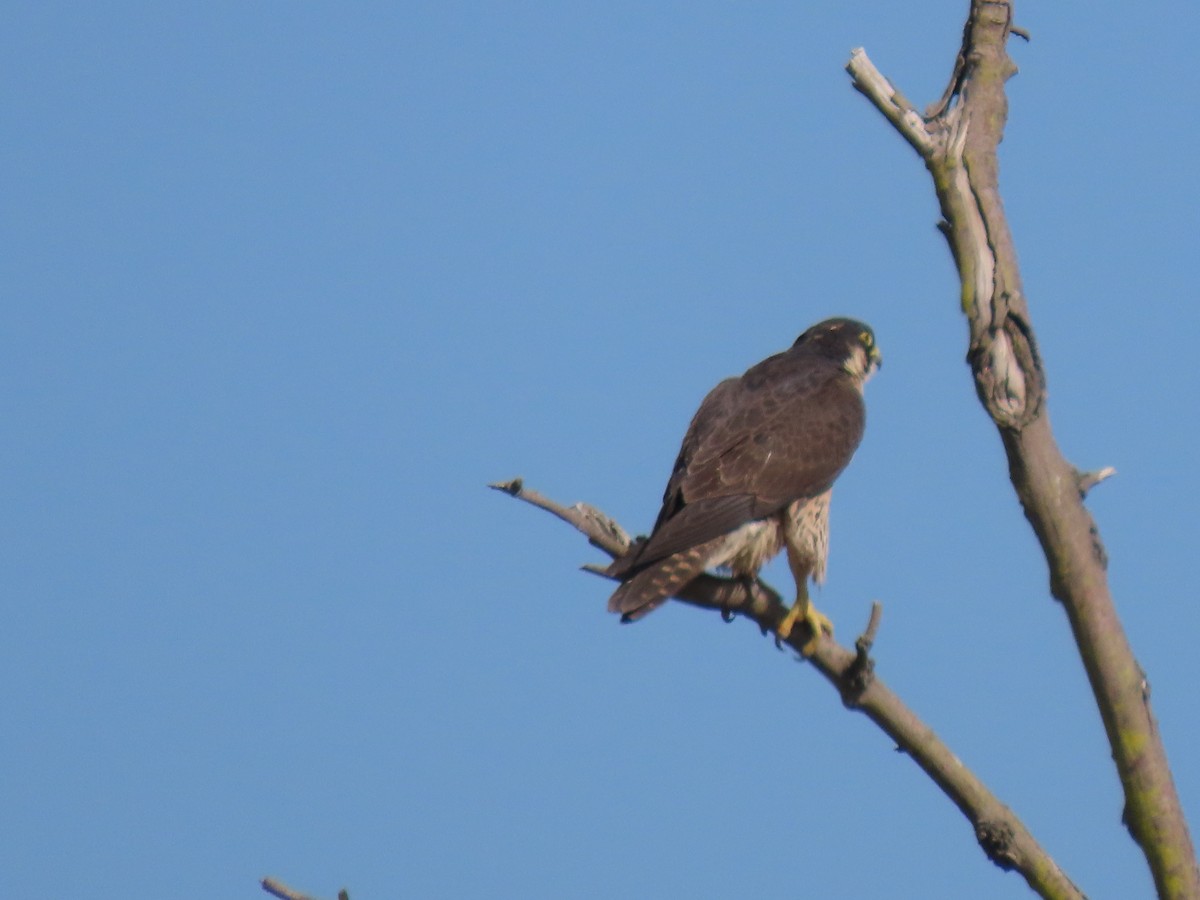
column 784, row 631
column 817, row 622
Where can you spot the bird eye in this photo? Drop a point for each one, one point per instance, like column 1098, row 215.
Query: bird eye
column 867, row 338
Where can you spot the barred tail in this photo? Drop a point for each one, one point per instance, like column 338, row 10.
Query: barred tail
column 653, row 586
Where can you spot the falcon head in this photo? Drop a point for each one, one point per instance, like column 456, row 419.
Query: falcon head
column 850, row 342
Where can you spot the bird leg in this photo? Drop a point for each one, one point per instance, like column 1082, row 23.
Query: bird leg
column 803, row 610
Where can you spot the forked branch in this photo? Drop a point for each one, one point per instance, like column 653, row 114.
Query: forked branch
column 958, row 140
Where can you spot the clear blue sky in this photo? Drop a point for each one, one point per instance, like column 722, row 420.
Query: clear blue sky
column 285, row 285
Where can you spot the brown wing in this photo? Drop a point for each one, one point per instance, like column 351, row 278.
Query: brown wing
column 714, row 410
column 782, row 431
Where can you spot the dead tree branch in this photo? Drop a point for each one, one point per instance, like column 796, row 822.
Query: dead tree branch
column 283, row 892
column 1003, row 837
column 958, row 140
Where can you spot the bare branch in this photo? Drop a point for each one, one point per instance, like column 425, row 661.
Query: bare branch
column 894, row 105
column 1088, row 480
column 278, row 889
column 862, row 670
column 602, row 531
column 1010, row 381
column 1000, row 833
column 283, row 892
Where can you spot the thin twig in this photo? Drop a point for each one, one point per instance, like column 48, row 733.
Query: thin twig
column 283, row 892
column 1088, row 480
column 278, row 889
column 862, row 670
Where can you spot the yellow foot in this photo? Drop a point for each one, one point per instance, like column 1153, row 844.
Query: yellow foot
column 817, row 622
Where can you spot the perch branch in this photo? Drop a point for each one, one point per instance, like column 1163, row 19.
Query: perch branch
column 958, row 142
column 1003, row 837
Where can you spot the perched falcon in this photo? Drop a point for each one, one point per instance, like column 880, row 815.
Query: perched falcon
column 755, row 472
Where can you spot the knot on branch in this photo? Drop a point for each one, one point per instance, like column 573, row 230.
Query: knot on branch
column 861, row 672
column 1008, row 372
column 996, row 839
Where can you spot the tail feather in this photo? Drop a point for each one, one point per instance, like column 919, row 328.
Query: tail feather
column 626, row 565
column 650, row 588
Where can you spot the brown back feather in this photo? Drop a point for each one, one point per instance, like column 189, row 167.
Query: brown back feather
column 783, row 431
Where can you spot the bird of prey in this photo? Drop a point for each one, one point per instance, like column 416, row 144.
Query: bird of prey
column 754, row 475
